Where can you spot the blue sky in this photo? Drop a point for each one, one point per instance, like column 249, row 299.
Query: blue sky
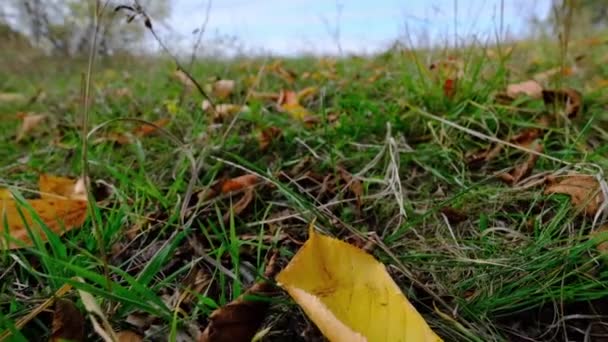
column 301, row 26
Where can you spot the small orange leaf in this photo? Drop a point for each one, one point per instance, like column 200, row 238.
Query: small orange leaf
column 239, row 183
column 584, row 191
column 147, row 129
column 449, row 87
column 267, row 136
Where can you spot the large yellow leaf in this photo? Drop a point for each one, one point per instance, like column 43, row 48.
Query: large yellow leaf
column 62, row 206
column 349, row 295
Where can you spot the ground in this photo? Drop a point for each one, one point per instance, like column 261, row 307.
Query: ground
column 382, row 157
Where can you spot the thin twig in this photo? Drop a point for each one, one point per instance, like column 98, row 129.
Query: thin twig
column 85, row 126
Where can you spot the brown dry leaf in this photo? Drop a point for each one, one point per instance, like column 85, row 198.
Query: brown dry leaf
column 115, row 137
column 267, row 136
column 522, row 170
column 483, row 156
column 59, row 215
column 68, row 322
column 240, row 319
column 453, row 215
column 184, row 79
column 241, row 205
column 29, row 123
column 128, row 336
column 354, row 185
column 525, row 138
column 584, row 191
column 570, row 98
column 147, row 129
column 223, row 111
column 239, row 183
column 530, row 88
column 222, row 89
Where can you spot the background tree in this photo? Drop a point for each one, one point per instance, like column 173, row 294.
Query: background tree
column 64, row 27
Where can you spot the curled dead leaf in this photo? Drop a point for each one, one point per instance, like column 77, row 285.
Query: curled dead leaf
column 222, row 89
column 68, row 322
column 267, row 136
column 530, row 88
column 584, row 191
column 223, row 111
column 240, row 319
column 522, row 170
column 453, row 215
column 239, row 183
column 569, row 98
column 28, row 123
column 147, row 129
column 241, row 205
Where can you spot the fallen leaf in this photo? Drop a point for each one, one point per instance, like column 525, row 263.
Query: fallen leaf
column 62, row 207
column 584, row 191
column 29, row 123
column 22, row 321
column 239, row 183
column 128, row 336
column 222, row 88
column 530, row 88
column 59, row 215
column 267, row 136
column 103, row 329
column 354, row 185
column 349, row 295
column 5, row 194
column 223, row 111
column 52, row 186
column 449, row 87
column 570, row 98
column 68, row 322
column 241, row 205
column 453, row 215
column 240, row 319
column 522, row 170
column 184, row 79
column 147, row 129
column 288, row 102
